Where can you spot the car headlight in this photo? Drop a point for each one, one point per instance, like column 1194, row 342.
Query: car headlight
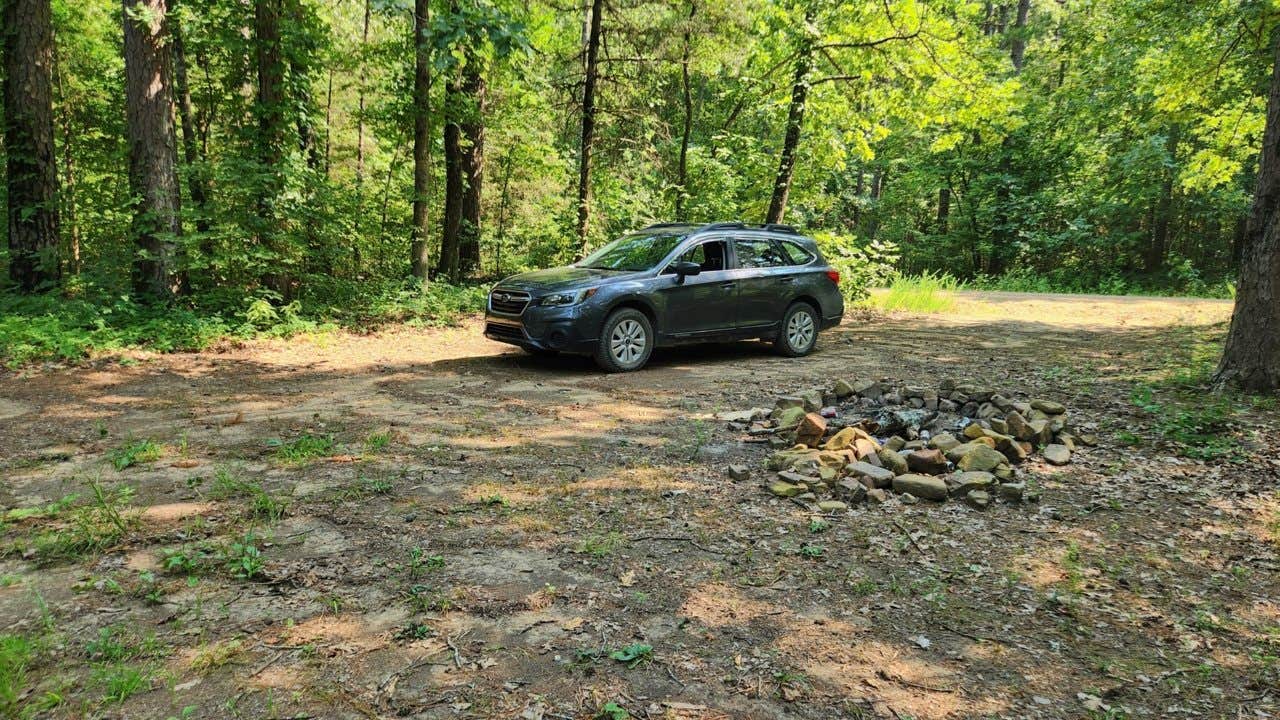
column 566, row 298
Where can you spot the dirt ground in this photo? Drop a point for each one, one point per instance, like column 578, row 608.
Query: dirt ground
column 426, row 524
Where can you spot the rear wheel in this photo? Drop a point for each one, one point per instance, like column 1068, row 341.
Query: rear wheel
column 799, row 331
column 626, row 341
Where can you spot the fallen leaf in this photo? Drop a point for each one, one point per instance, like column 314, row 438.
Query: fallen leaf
column 627, row 579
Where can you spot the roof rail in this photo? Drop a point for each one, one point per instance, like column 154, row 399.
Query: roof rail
column 663, row 225
column 779, row 227
column 736, row 225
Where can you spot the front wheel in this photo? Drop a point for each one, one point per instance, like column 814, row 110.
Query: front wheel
column 799, row 331
column 626, row 341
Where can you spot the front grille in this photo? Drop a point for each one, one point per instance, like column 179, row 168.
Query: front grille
column 505, row 332
column 508, row 302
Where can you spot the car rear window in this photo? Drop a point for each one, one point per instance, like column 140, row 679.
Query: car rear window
column 798, row 255
column 759, row 254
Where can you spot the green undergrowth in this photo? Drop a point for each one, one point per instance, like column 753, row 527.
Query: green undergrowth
column 924, row 293
column 79, row 323
column 1180, row 280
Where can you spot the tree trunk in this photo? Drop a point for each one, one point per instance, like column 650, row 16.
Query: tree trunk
column 1153, row 261
column 795, row 120
column 507, row 162
column 588, row 123
column 419, row 258
column 153, row 150
column 190, row 137
column 364, row 41
column 1018, row 41
column 71, row 254
column 32, row 170
column 454, row 182
column 269, row 108
column 682, row 169
column 471, row 126
column 1251, row 358
column 944, row 209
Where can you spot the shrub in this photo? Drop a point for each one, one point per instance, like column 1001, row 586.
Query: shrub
column 923, row 293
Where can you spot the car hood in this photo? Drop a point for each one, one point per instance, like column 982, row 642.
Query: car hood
column 563, row 278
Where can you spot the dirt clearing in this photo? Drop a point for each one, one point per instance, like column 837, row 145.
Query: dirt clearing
column 427, row 524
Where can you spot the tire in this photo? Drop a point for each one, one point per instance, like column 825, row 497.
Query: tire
column 799, row 330
column 626, row 341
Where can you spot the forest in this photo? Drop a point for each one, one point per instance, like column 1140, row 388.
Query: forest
column 178, row 170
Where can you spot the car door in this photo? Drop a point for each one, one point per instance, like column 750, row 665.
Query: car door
column 763, row 280
column 701, row 304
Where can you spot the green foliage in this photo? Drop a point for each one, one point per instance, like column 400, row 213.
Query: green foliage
column 633, row 654
column 924, row 293
column 613, row 711
column 303, row 448
column 15, row 659
column 861, row 265
column 141, row 451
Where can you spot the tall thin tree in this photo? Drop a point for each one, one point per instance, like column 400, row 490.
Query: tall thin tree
column 592, row 70
column 418, row 254
column 153, row 149
column 30, row 164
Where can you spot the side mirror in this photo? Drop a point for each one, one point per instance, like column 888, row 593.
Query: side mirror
column 686, row 268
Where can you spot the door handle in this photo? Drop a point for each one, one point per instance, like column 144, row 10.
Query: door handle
column 786, row 280
column 728, row 285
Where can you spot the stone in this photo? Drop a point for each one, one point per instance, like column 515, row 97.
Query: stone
column 788, row 417
column 916, row 403
column 1068, row 439
column 842, row 440
column 1088, row 440
column 948, row 406
column 895, row 443
column 927, row 487
column 969, row 409
column 930, row 400
column 982, row 458
column 880, row 477
column 1001, row 402
column 1012, row 449
column 973, row 431
column 1037, row 415
column 1011, row 492
column 739, row 472
column 893, row 461
column 908, row 499
column 1043, row 435
column 1049, row 407
column 959, row 451
column 1004, row 473
column 843, row 389
column 1018, row 426
column 999, row 425
column 944, row 441
column 946, row 385
column 978, row 499
column 892, row 398
column 787, row 401
column 807, row 497
column 963, row 483
column 929, row 461
column 811, row 430
column 913, row 445
column 832, row 506
column 812, row 400
column 851, row 490
column 827, row 474
column 1056, row 454
column 1022, row 408
column 785, row 489
column 877, row 496
column 869, row 389
column 986, row 411
column 865, row 447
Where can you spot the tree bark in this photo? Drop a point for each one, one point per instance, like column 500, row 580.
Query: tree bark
column 1251, row 357
column 795, row 120
column 364, row 41
column 153, row 149
column 471, row 126
column 191, row 150
column 71, row 254
column 419, row 258
column 682, row 169
column 944, row 209
column 454, row 181
column 1018, row 41
column 588, row 123
column 31, row 166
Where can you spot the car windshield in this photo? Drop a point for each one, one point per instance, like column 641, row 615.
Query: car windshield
column 635, row 252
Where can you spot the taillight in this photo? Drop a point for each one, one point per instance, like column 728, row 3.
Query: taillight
column 834, row 275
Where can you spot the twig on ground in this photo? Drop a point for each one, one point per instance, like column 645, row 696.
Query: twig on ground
column 906, row 532
column 971, row 636
column 678, row 538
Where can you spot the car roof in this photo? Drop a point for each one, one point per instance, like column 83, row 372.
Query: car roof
column 774, row 229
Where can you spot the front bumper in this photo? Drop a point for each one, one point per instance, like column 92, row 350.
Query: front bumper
column 572, row 329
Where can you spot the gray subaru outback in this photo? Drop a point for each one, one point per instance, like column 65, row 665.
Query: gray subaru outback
column 670, row 284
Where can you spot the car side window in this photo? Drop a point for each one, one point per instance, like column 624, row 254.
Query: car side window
column 797, row 254
column 709, row 256
column 758, row 253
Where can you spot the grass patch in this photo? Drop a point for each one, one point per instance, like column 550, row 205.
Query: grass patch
column 240, row 559
column 924, row 293
column 134, row 453
column 15, row 659
column 261, row 504
column 69, row 532
column 303, row 448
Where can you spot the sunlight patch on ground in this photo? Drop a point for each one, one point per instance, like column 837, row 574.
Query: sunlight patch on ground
column 717, row 605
